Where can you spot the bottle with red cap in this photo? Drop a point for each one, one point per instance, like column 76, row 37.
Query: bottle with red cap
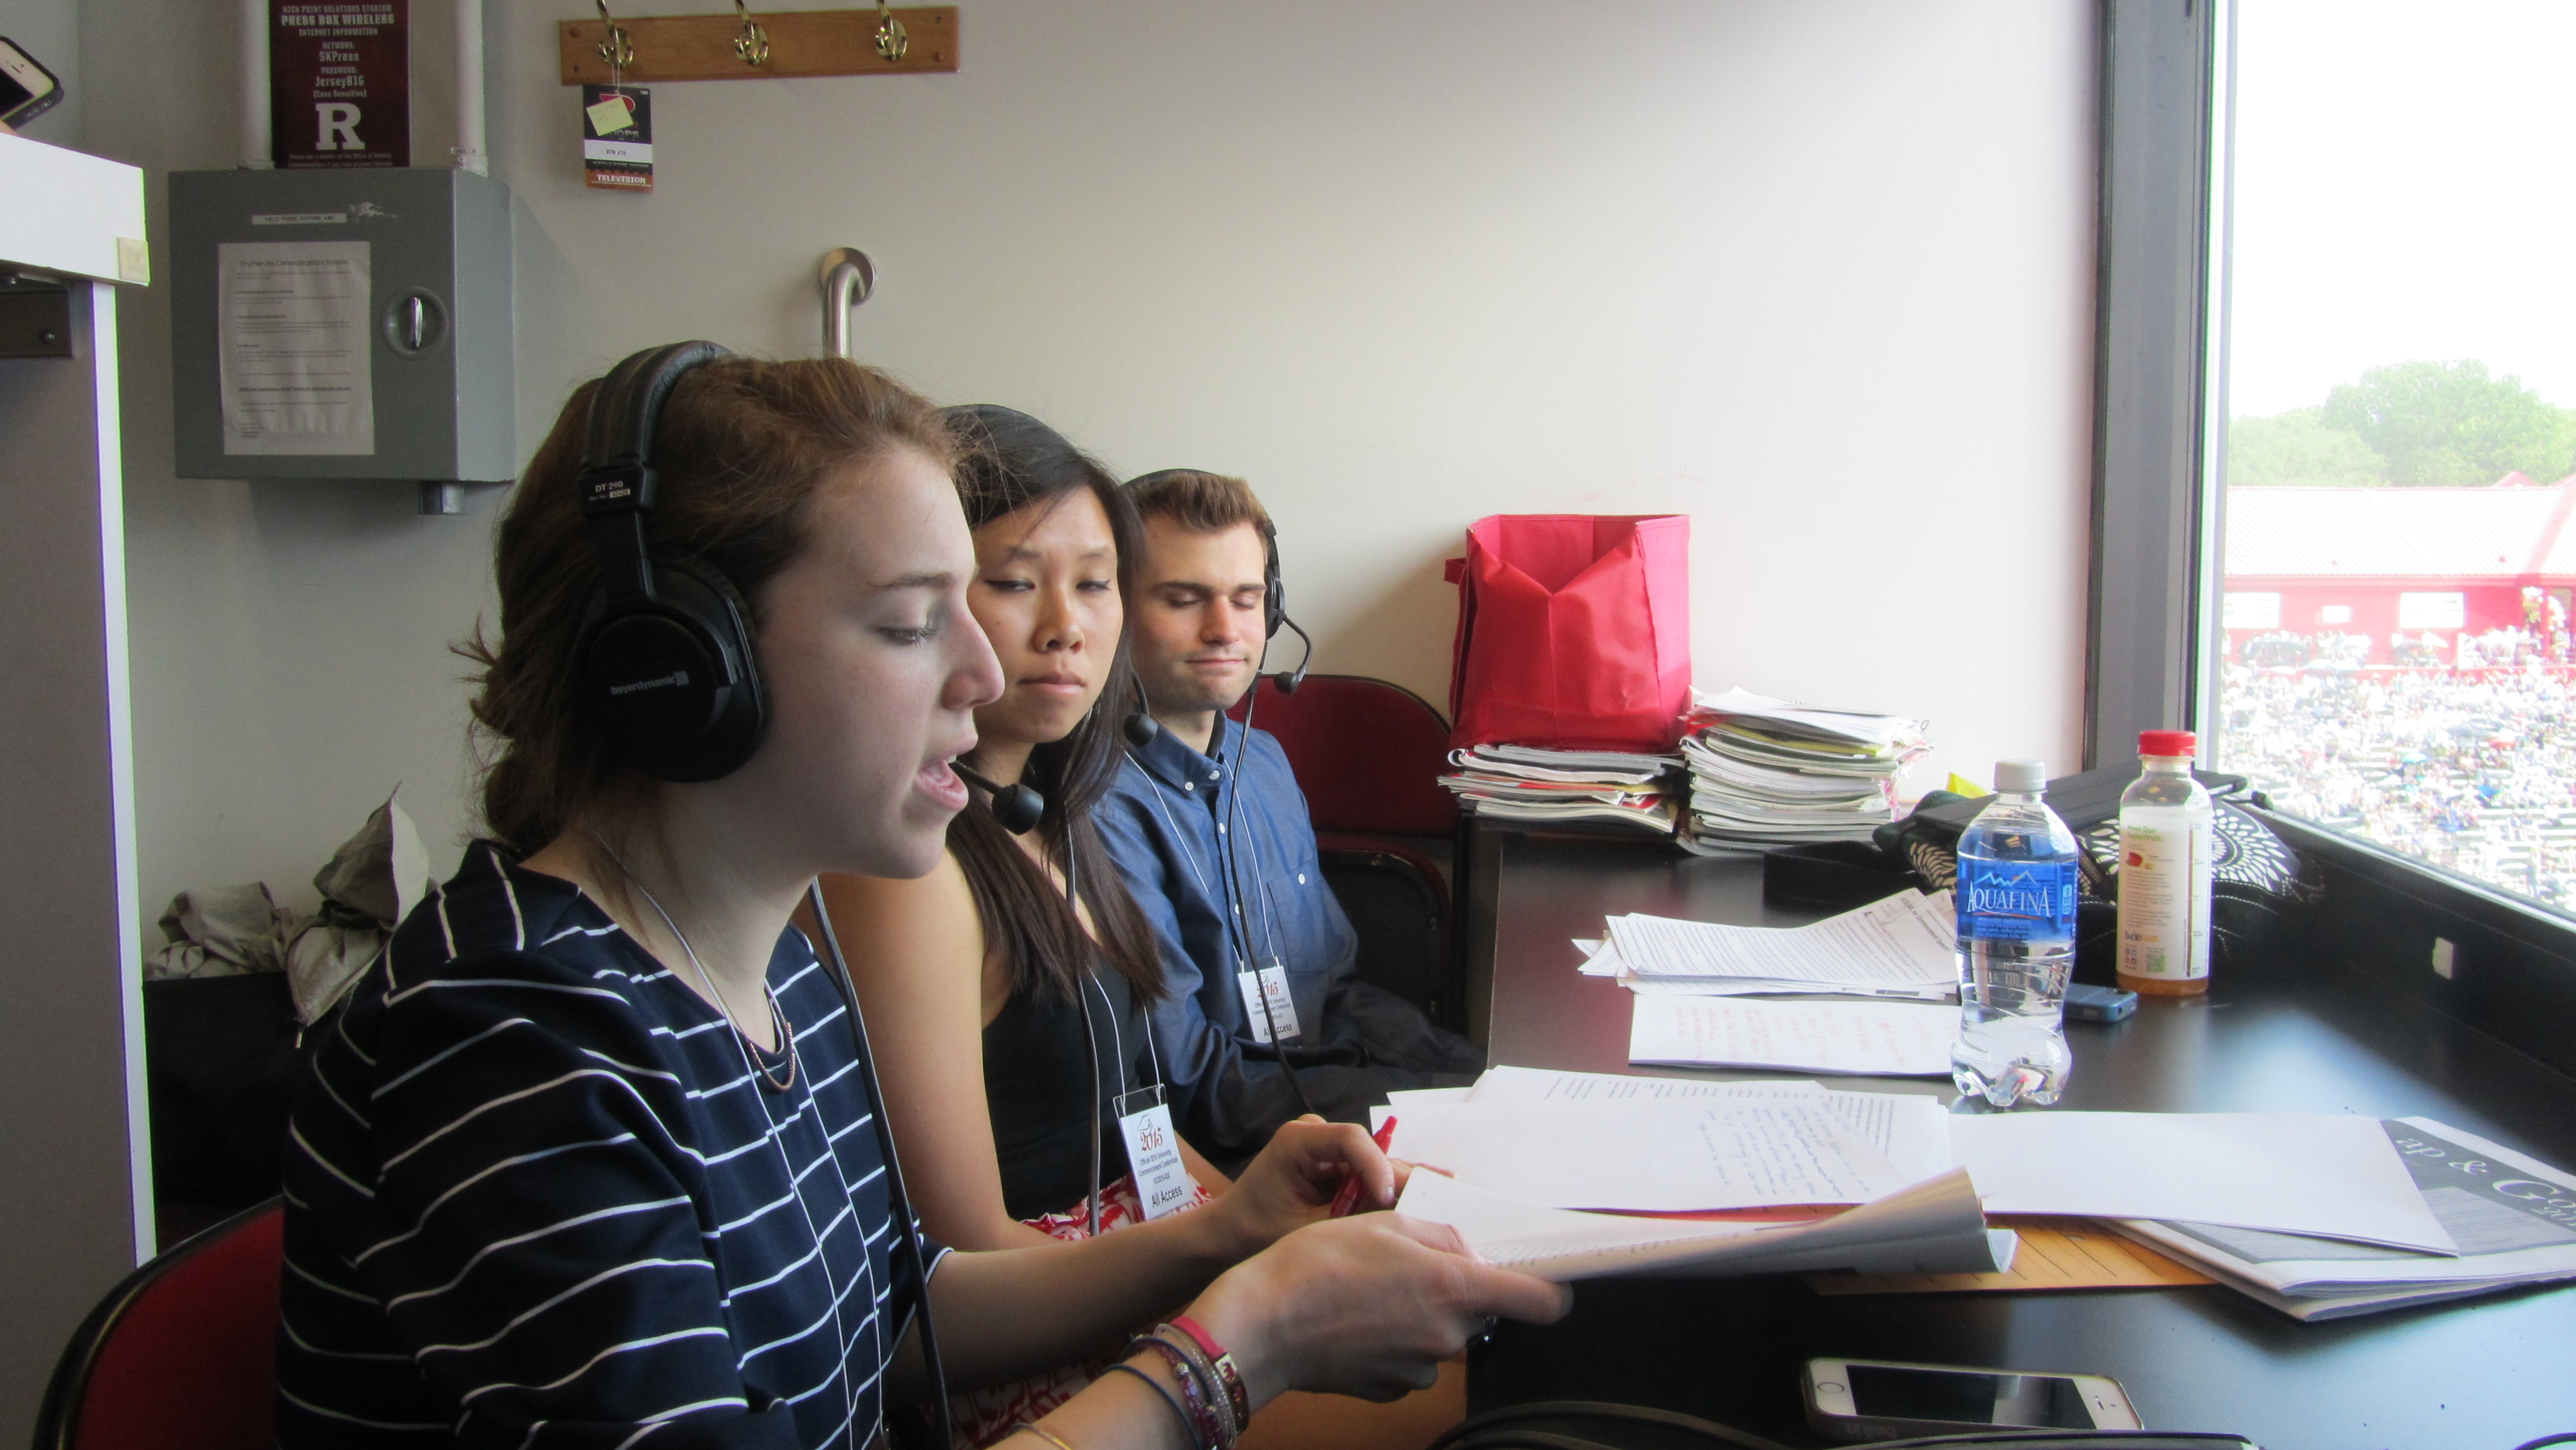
column 2166, row 841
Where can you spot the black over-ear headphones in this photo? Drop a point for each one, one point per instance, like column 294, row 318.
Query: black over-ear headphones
column 665, row 661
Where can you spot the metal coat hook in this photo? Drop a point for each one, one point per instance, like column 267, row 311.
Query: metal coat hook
column 847, row 280
column 892, row 42
column 619, row 48
column 753, row 44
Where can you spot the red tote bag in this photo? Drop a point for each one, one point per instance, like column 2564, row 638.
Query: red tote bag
column 1573, row 632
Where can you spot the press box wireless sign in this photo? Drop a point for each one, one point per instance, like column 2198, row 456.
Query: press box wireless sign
column 339, row 83
column 341, row 324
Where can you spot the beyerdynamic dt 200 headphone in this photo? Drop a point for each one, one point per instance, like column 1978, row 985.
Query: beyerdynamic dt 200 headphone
column 664, row 662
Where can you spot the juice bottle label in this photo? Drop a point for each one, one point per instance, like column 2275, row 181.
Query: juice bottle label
column 2016, row 900
column 2164, row 901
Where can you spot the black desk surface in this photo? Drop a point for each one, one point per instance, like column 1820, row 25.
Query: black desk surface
column 2481, row 1374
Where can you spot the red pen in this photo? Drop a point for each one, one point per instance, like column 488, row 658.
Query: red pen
column 1348, row 1197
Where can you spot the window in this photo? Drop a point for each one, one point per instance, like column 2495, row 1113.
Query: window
column 2392, row 658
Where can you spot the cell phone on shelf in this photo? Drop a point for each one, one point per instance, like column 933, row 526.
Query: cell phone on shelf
column 1878, row 1399
column 27, row 89
column 2100, row 1004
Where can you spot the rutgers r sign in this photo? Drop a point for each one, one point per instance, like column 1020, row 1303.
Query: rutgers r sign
column 340, row 82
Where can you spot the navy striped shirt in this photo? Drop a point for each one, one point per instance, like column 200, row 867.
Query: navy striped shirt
column 535, row 1196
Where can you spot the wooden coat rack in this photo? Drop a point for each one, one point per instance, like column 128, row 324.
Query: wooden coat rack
column 800, row 43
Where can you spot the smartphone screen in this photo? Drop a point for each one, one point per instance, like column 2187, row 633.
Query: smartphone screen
column 2042, row 1401
column 21, row 81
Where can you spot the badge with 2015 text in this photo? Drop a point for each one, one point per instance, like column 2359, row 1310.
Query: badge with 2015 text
column 1266, row 1001
column 1163, row 1182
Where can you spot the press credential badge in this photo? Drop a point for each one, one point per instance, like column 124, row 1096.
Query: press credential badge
column 1274, row 984
column 617, row 137
column 1154, row 1151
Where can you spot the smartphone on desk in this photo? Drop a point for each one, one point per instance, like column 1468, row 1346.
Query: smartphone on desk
column 1878, row 1399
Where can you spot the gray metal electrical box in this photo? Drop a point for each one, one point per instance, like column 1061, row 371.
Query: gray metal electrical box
column 342, row 324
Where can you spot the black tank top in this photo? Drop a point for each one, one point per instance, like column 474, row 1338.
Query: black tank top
column 1037, row 1087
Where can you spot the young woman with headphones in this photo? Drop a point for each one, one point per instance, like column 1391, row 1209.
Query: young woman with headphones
column 594, row 1156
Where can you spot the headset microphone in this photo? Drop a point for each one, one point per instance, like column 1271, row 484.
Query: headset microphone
column 1289, row 680
column 1015, row 808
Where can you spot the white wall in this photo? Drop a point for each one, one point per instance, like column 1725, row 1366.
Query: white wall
column 1817, row 274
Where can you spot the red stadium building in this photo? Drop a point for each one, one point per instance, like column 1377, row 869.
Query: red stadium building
column 2399, row 576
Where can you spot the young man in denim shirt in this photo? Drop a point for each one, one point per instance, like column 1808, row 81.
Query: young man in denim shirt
column 1201, row 798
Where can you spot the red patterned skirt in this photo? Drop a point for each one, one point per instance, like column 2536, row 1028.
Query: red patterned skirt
column 986, row 1415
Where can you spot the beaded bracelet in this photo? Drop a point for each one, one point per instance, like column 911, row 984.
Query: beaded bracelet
column 1189, row 1426
column 1209, row 1414
column 1221, row 1361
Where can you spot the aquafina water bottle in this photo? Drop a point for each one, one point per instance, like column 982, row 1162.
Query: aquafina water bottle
column 2016, row 912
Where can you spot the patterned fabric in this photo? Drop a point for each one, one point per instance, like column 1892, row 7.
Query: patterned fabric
column 539, row 1193
column 986, row 1415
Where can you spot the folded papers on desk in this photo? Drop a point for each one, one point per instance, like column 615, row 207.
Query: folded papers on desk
column 1934, row 1227
column 1903, row 945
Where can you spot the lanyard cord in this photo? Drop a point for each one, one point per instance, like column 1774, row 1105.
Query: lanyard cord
column 1090, row 1032
column 1236, row 927
column 795, row 1188
column 1232, row 867
column 907, row 1232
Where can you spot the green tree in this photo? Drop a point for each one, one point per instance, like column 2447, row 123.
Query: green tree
column 2300, row 447
column 2450, row 424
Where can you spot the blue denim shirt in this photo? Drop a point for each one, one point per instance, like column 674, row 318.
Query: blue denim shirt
column 1163, row 822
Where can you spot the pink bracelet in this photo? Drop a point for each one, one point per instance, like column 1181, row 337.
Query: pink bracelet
column 1210, row 1422
column 1226, row 1369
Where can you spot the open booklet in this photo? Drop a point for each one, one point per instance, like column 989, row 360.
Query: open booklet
column 1934, row 1227
column 2513, row 1217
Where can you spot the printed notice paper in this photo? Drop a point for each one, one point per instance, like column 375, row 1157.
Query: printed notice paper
column 292, row 348
column 1890, row 1039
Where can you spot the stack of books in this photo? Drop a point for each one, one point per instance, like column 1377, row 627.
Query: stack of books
column 1767, row 772
column 1526, row 783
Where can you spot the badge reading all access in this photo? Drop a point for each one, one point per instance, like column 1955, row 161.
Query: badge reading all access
column 1163, row 1182
column 617, row 137
column 1282, row 1008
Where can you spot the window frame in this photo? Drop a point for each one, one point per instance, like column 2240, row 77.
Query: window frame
column 2166, row 132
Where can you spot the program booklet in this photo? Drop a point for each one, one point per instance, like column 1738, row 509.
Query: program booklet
column 2513, row 1217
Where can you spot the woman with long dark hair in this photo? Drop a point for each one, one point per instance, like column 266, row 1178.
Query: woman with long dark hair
column 1011, row 985
column 588, row 1159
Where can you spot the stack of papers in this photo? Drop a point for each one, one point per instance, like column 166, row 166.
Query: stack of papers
column 1904, row 946
column 1766, row 772
column 1538, row 1169
column 2512, row 1218
column 1525, row 783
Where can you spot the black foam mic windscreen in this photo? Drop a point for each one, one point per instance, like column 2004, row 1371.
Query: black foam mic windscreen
column 1015, row 808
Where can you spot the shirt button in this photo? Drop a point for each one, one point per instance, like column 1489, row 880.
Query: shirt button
column 1301, row 878
column 1185, row 785
column 1220, row 830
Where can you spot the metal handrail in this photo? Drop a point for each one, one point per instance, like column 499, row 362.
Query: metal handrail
column 847, row 280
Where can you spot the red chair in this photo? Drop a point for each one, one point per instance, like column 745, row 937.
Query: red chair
column 180, row 1356
column 1369, row 756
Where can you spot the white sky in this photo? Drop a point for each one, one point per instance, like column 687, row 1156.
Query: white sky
column 2403, row 190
